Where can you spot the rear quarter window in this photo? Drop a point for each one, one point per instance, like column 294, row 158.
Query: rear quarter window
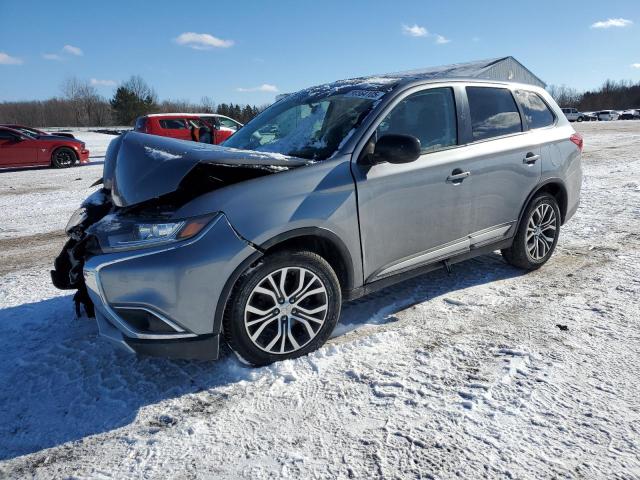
column 536, row 111
column 494, row 112
column 173, row 124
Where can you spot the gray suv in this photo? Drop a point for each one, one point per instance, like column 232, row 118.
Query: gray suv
column 329, row 194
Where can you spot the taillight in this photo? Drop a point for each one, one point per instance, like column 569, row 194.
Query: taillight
column 577, row 139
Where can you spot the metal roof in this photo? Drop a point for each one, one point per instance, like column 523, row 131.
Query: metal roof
column 506, row 69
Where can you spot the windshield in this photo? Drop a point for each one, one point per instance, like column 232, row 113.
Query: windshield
column 306, row 126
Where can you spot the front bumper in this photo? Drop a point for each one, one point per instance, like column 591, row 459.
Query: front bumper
column 177, row 286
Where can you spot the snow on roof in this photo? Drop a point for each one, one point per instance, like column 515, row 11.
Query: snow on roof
column 387, row 81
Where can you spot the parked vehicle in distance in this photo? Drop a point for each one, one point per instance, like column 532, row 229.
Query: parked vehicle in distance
column 590, row 116
column 18, row 148
column 573, row 115
column 631, row 114
column 187, row 126
column 35, row 131
column 329, row 194
column 608, row 115
column 221, row 121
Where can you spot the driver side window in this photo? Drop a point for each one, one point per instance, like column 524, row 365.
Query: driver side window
column 430, row 116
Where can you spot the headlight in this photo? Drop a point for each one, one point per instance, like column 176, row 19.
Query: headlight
column 146, row 232
column 116, row 233
column 79, row 216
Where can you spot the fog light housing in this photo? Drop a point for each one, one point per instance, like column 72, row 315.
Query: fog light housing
column 144, row 321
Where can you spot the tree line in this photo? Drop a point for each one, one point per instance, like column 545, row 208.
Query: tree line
column 80, row 105
column 613, row 95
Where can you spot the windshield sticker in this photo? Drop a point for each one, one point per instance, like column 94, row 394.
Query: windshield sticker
column 371, row 94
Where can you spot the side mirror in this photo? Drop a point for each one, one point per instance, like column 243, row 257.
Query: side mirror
column 396, row 149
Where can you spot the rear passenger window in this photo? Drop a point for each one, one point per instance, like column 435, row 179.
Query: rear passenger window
column 173, row 124
column 493, row 112
column 430, row 116
column 535, row 110
column 140, row 123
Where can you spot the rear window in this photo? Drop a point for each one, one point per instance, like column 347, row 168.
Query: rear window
column 535, row 110
column 140, row 123
column 173, row 124
column 493, row 112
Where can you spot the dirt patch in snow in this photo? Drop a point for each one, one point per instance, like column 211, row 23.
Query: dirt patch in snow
column 21, row 253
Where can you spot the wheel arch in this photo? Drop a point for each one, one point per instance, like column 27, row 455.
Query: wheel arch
column 315, row 239
column 554, row 187
column 60, row 147
column 321, row 241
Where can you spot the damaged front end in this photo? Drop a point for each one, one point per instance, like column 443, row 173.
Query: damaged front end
column 130, row 225
column 69, row 264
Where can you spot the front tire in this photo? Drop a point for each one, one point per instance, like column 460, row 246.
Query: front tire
column 63, row 158
column 285, row 307
column 580, row 119
column 537, row 234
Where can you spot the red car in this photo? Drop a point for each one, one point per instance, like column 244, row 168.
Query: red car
column 187, row 126
column 22, row 149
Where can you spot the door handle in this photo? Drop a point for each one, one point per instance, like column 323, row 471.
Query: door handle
column 531, row 158
column 457, row 176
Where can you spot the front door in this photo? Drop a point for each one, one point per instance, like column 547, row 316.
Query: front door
column 415, row 213
column 16, row 150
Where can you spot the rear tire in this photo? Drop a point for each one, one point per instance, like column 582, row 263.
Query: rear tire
column 537, row 234
column 580, row 119
column 285, row 307
column 63, row 158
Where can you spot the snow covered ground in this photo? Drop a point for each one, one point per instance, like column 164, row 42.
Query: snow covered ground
column 463, row 375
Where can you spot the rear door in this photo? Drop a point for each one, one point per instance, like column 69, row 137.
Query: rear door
column 175, row 128
column 504, row 162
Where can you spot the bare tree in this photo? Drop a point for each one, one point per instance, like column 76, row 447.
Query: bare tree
column 208, row 105
column 89, row 108
column 564, row 96
column 138, row 87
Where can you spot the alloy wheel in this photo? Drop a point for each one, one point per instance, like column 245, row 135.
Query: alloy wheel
column 541, row 231
column 64, row 158
column 286, row 310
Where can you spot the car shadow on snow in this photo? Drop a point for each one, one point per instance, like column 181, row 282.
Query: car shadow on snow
column 60, row 382
column 46, row 167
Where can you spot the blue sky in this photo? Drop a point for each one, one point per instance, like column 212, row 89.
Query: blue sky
column 247, row 51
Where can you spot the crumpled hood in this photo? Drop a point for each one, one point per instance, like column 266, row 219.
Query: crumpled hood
column 139, row 167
